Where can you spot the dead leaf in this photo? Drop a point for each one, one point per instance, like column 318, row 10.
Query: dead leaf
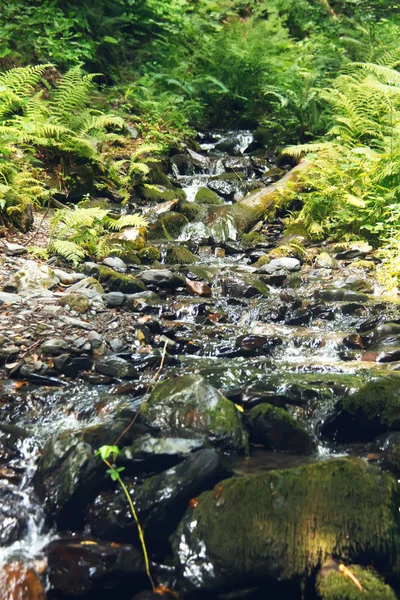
column 88, row 543
column 20, row 384
column 194, row 502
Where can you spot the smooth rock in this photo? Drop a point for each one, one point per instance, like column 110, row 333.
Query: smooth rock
column 55, row 346
column 115, row 263
column 89, row 284
column 199, row 288
column 162, row 278
column 114, row 366
column 18, row 581
column 68, row 278
column 113, row 299
column 8, row 298
column 31, row 276
column 290, row 264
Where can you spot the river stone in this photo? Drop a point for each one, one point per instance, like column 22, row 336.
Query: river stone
column 68, row 278
column 8, row 298
column 118, row 282
column 373, row 409
column 333, row 585
column 142, row 299
column 67, row 476
column 72, row 366
column 80, row 565
column 15, row 515
column 55, row 346
column 188, row 406
column 113, row 299
column 325, row 261
column 162, row 278
column 149, row 452
column 274, row 265
column 14, row 249
column 115, row 263
column 179, row 255
column 160, row 501
column 282, row 524
column 115, row 366
column 277, row 430
column 88, row 284
column 18, row 581
column 31, row 276
column 77, row 302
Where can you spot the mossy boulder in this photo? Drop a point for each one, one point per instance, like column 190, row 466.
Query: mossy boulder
column 159, row 193
column 284, row 524
column 254, row 237
column 168, row 226
column 188, row 406
column 231, row 177
column 373, row 409
column 277, row 430
column 193, row 211
column 208, row 197
column 118, row 282
column 332, row 584
column 78, row 302
column 179, row 255
column 149, row 255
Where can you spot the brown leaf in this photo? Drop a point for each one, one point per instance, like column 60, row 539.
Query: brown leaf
column 20, row 384
column 193, row 502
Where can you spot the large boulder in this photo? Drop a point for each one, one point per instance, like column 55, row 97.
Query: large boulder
column 188, row 406
column 31, row 276
column 284, row 524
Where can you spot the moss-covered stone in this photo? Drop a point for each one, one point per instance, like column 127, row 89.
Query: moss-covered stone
column 367, row 265
column 188, row 406
column 159, row 193
column 149, row 255
column 193, row 211
column 168, row 226
column 208, row 197
column 284, row 524
column 118, row 282
column 78, row 302
column 275, row 173
column 277, row 430
column 231, row 177
column 376, row 405
column 179, row 255
column 332, row 584
column 254, row 237
column 157, row 176
column 262, row 135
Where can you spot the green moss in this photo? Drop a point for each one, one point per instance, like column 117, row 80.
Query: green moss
column 276, row 429
column 245, row 217
column 334, row 585
column 368, row 265
column 167, row 227
column 193, row 211
column 253, row 238
column 119, row 282
column 263, row 260
column 149, row 255
column 179, row 255
column 232, row 177
column 275, row 173
column 189, row 406
column 157, row 176
column 286, row 523
column 158, row 193
column 206, row 196
column 377, row 402
column 77, row 302
column 262, row 135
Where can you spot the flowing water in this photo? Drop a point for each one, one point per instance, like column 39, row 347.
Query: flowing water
column 303, row 361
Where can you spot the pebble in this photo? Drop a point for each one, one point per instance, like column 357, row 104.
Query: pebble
column 55, row 346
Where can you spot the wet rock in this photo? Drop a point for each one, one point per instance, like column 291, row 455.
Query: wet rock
column 155, row 454
column 77, row 302
column 301, row 316
column 229, row 145
column 268, row 514
column 55, row 346
column 16, row 514
column 162, row 278
column 193, row 212
column 208, row 197
column 143, row 300
column 167, row 227
column 373, row 409
column 160, row 193
column 387, row 357
column 67, row 477
column 118, row 282
column 8, row 298
column 88, row 285
column 179, row 255
column 354, row 341
column 115, row 366
column 149, row 255
column 115, row 263
column 243, row 287
column 20, row 582
column 341, row 294
column 257, row 342
column 225, row 189
column 276, row 264
column 198, row 288
column 333, row 585
column 190, row 407
column 77, row 566
column 71, row 367
column 160, row 501
column 114, row 299
column 31, row 276
column 325, row 261
column 277, row 430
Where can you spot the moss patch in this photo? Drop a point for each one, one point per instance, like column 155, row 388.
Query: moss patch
column 253, row 238
column 377, row 403
column 158, row 193
column 286, row 523
column 149, row 255
column 207, row 196
column 333, row 585
column 119, row 282
column 167, row 227
column 193, row 211
column 179, row 255
column 231, row 177
column 78, row 302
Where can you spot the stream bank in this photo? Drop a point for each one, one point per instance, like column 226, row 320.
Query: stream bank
column 267, row 445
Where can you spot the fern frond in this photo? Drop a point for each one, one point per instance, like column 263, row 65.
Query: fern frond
column 69, row 250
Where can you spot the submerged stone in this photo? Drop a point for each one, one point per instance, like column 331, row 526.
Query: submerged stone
column 188, row 406
column 284, row 524
column 118, row 282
